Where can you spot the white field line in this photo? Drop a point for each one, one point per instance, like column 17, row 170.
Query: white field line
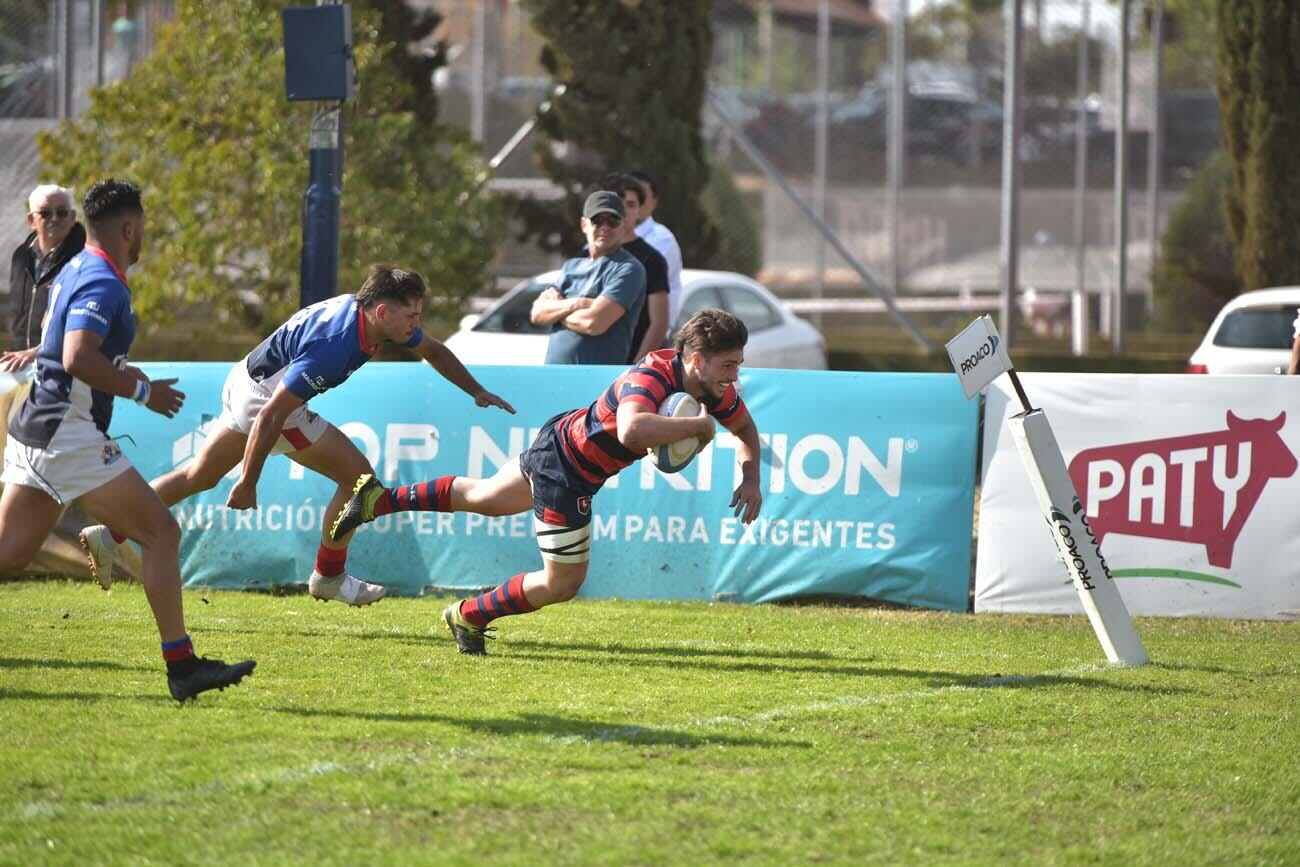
column 241, row 782
column 289, row 775
column 844, row 701
column 889, row 697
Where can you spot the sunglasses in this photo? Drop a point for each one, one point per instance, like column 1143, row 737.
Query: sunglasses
column 55, row 213
column 609, row 220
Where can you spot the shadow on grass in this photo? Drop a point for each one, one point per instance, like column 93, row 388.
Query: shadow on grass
column 33, row 695
column 533, row 724
column 678, row 657
column 19, row 662
column 1204, row 669
column 743, row 660
column 438, row 635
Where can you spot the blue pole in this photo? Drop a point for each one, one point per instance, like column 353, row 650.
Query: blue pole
column 319, row 268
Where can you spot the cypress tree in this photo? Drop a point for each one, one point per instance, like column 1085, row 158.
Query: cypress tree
column 634, row 75
column 1259, row 98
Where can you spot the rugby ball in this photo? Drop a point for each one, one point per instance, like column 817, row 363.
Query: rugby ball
column 675, row 457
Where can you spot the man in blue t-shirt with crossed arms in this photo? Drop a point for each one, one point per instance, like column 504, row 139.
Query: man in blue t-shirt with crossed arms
column 595, row 305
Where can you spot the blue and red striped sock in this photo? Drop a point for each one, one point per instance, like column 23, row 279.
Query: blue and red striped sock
column 179, row 650
column 432, row 496
column 507, row 599
column 330, row 561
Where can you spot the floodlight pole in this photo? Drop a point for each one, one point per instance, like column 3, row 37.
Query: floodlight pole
column 1009, row 248
column 318, row 68
column 1121, row 183
column 320, row 219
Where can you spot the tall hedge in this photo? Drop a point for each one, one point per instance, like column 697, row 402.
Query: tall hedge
column 634, row 74
column 1259, row 98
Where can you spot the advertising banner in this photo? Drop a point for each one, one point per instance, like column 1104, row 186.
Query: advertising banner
column 1189, row 482
column 867, row 479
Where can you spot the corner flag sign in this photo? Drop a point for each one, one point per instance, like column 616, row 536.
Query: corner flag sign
column 978, row 355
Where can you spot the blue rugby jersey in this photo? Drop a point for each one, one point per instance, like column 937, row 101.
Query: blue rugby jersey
column 61, row 412
column 317, row 348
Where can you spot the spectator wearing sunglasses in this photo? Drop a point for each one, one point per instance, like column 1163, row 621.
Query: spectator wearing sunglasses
column 595, row 305
column 55, row 238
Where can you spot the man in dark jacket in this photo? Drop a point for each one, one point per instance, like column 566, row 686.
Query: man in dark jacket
column 55, row 238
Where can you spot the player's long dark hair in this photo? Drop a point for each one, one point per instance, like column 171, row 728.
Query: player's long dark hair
column 387, row 283
column 711, row 331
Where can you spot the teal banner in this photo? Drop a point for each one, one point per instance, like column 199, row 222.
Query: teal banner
column 868, row 483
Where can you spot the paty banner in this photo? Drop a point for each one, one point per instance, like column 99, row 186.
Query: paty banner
column 868, row 485
column 1189, row 482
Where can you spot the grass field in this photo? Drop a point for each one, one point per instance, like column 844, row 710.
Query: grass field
column 640, row 733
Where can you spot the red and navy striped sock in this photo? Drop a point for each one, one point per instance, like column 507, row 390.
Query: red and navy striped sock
column 330, row 561
column 179, row 650
column 433, row 496
column 509, row 598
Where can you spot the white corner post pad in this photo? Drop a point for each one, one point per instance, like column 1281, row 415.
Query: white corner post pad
column 1074, row 539
column 978, row 355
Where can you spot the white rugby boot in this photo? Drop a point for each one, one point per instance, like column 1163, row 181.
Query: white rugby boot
column 101, row 551
column 345, row 588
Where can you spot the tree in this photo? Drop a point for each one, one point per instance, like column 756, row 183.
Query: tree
column 1194, row 275
column 1259, row 99
column 1189, row 33
column 203, row 125
column 633, row 73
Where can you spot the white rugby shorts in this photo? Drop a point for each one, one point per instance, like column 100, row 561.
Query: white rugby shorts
column 64, row 475
column 242, row 399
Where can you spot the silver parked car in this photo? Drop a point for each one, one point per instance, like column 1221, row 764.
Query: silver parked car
column 1253, row 333
column 503, row 334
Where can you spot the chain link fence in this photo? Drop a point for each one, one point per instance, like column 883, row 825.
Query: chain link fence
column 807, row 85
column 52, row 52
column 799, row 113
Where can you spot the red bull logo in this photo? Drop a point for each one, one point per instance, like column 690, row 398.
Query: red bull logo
column 1199, row 488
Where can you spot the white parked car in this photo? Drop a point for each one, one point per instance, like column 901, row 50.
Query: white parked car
column 1253, row 333
column 502, row 334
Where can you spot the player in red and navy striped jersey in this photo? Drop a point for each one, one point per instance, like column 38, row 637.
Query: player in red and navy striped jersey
column 574, row 454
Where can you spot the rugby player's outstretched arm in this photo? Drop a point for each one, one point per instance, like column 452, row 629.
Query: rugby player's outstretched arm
column 261, row 439
column 444, row 361
column 748, row 496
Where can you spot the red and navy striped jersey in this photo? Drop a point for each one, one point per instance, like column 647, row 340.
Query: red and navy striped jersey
column 588, row 437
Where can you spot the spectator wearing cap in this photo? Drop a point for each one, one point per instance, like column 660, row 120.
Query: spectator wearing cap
column 595, row 305
column 660, row 237
column 55, row 237
column 651, row 329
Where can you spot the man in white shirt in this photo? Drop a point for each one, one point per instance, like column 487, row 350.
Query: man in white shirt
column 660, row 237
column 1294, row 367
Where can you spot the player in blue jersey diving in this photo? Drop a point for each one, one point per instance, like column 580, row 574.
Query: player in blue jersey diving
column 58, row 449
column 264, row 412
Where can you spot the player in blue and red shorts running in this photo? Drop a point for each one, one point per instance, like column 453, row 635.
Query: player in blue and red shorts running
column 58, row 450
column 265, row 412
column 575, row 453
